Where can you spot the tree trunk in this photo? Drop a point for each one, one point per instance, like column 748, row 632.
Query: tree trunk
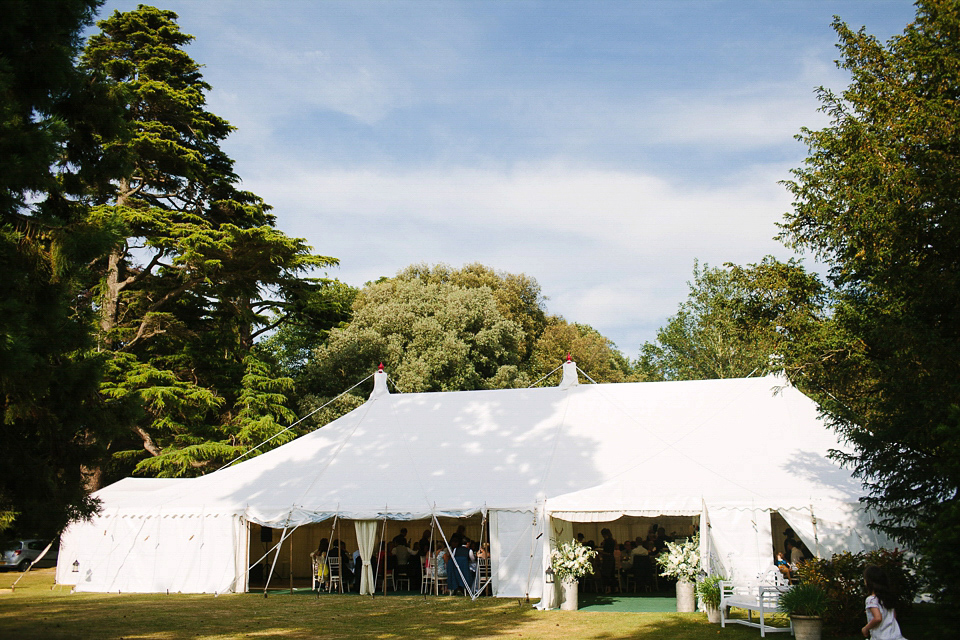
column 109, row 299
column 112, row 285
column 92, row 478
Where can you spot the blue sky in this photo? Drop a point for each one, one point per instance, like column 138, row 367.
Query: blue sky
column 600, row 147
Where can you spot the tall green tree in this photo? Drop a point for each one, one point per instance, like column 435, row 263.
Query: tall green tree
column 48, row 375
column 735, row 322
column 878, row 200
column 596, row 355
column 437, row 328
column 430, row 336
column 199, row 270
column 517, row 295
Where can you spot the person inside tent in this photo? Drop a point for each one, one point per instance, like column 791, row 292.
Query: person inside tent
column 402, row 555
column 319, row 561
column 458, row 567
column 357, row 563
column 400, row 539
column 608, row 562
column 346, row 563
column 782, row 564
column 789, row 538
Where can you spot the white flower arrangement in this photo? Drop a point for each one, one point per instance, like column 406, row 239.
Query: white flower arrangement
column 571, row 561
column 681, row 560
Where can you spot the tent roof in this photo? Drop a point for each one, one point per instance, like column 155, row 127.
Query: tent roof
column 671, row 444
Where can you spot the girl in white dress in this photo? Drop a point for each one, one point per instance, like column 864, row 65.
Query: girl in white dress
column 881, row 606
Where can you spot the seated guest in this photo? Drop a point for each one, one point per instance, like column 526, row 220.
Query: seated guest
column 320, row 558
column 639, row 550
column 403, row 553
column 440, row 558
column 484, row 551
column 401, row 538
column 782, row 564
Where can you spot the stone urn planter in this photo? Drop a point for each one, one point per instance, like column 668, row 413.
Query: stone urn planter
column 569, row 594
column 709, row 594
column 805, row 603
column 807, row 627
column 713, row 614
column 686, row 602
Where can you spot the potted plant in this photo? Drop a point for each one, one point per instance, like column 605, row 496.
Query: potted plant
column 570, row 562
column 708, row 591
column 805, row 603
column 681, row 560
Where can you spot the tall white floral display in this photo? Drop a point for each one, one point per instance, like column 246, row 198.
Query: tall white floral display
column 570, row 562
column 681, row 560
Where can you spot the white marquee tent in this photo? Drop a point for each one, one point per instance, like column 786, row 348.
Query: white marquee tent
column 532, row 461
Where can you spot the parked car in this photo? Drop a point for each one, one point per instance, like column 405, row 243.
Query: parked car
column 21, row 553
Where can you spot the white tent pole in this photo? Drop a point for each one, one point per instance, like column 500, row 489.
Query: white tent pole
column 481, row 587
column 333, row 528
column 452, row 557
column 247, row 572
column 283, row 535
column 816, row 535
column 35, row 561
column 533, row 547
column 377, row 552
column 430, row 564
column 386, row 560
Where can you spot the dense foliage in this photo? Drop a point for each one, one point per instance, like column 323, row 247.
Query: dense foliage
column 443, row 329
column 197, row 270
column 841, row 577
column 48, row 371
column 804, row 599
column 735, row 322
column 879, row 202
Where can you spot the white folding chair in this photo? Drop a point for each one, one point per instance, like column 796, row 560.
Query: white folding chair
column 334, row 576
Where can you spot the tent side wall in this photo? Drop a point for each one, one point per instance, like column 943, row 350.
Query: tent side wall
column 516, row 553
column 742, row 540
column 176, row 553
column 829, row 528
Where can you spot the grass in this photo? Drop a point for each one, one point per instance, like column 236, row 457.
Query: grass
column 39, row 610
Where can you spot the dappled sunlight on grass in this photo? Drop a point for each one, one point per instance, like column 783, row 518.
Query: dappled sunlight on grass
column 35, row 612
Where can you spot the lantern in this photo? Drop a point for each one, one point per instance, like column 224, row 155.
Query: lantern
column 549, row 575
column 76, row 566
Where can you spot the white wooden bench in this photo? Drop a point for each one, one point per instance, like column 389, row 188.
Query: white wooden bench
column 759, row 597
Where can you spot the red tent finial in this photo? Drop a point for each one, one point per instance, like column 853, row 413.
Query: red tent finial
column 568, row 356
column 380, row 368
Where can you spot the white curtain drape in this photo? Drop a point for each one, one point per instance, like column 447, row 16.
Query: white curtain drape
column 366, row 539
column 742, row 541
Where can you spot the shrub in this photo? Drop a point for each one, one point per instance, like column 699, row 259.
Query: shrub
column 841, row 577
column 804, row 599
column 708, row 590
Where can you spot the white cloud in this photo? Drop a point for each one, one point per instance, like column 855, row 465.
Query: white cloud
column 610, row 248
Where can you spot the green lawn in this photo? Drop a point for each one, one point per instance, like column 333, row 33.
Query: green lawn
column 37, row 609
